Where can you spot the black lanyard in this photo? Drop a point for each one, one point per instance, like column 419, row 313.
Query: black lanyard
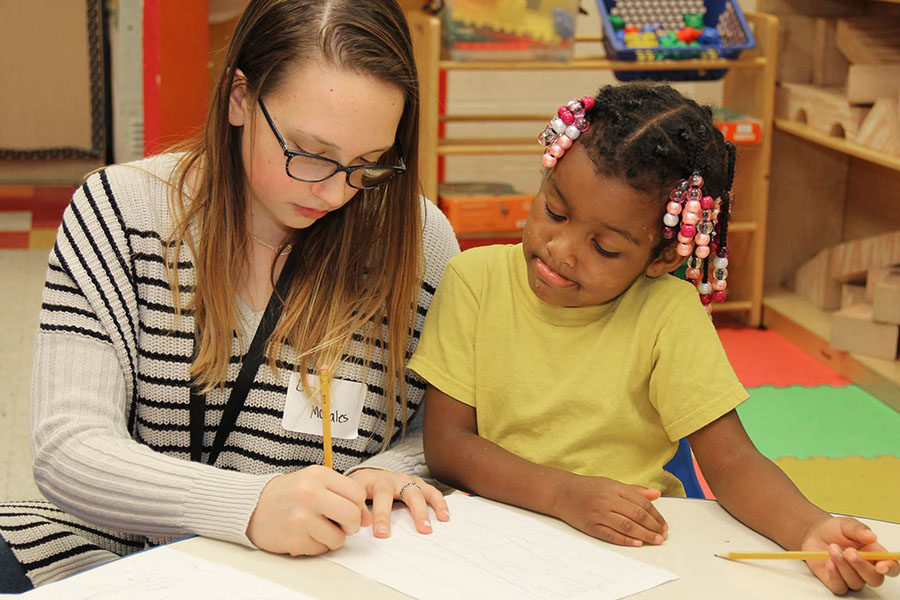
column 249, row 366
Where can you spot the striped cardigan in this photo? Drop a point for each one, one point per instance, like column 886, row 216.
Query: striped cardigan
column 110, row 393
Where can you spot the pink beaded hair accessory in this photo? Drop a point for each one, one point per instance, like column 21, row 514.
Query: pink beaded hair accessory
column 694, row 218
column 566, row 125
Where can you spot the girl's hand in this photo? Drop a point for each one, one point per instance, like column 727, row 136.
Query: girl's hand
column 310, row 511
column 383, row 487
column 615, row 512
column 842, row 537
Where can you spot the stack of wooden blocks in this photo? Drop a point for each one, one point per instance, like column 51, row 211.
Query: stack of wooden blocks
column 860, row 279
column 839, row 69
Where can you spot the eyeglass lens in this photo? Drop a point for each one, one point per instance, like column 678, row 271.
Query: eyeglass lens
column 310, row 168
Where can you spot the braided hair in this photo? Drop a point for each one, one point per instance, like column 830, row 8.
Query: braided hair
column 656, row 139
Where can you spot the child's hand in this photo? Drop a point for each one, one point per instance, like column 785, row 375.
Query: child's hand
column 842, row 537
column 611, row 511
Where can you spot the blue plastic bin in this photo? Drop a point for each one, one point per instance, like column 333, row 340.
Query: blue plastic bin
column 722, row 15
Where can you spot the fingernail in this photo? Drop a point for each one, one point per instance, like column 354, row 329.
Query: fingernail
column 658, row 539
column 426, row 524
column 881, row 569
column 637, row 543
column 381, row 529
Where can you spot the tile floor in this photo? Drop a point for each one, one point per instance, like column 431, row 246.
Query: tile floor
column 21, row 281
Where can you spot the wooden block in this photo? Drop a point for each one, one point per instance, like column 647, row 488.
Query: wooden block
column 813, row 281
column 829, row 66
column 876, row 276
column 880, row 130
column 868, row 40
column 796, row 40
column 824, row 109
column 852, row 293
column 853, row 330
column 868, row 83
column 852, row 260
column 829, row 8
column 886, row 304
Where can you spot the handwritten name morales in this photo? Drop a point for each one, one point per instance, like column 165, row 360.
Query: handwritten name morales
column 336, row 417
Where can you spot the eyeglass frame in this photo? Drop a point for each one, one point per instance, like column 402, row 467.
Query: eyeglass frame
column 338, row 167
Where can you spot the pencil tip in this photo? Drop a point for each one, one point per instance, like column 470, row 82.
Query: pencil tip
column 720, row 555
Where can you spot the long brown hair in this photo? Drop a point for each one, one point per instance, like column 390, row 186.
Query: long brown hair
column 359, row 267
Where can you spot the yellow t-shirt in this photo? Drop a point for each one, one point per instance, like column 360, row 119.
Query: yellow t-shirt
column 603, row 390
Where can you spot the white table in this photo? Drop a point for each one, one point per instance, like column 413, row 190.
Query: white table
column 697, row 530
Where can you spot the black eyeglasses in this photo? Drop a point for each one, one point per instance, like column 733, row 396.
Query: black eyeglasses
column 312, row 168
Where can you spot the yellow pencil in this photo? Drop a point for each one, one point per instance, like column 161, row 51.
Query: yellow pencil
column 804, row 555
column 325, row 392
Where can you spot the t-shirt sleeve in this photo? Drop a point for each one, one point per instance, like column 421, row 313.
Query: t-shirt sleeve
column 445, row 356
column 692, row 382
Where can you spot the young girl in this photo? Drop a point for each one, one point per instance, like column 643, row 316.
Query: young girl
column 167, row 393
column 563, row 372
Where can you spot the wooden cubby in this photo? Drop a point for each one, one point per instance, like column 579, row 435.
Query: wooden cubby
column 825, row 190
column 747, row 87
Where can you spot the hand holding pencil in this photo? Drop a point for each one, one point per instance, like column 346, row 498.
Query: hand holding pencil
column 845, row 554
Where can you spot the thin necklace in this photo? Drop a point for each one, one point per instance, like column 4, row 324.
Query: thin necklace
column 287, row 247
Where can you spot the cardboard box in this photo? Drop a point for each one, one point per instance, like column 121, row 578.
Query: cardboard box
column 886, row 305
column 484, row 207
column 854, row 330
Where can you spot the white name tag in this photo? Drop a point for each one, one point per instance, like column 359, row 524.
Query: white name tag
column 304, row 415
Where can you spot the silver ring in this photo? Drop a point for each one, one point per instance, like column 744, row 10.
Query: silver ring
column 406, row 485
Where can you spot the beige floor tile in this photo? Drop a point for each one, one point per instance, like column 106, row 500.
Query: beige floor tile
column 22, row 273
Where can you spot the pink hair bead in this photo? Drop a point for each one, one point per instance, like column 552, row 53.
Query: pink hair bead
column 719, row 296
column 683, row 249
column 685, row 239
column 582, row 124
column 588, row 102
column 566, row 115
column 702, row 251
column 564, row 141
column 705, row 299
column 666, row 232
column 556, row 150
column 690, row 218
column 692, row 206
column 692, row 273
column 673, row 208
column 695, row 180
column 688, row 230
column 719, row 284
column 548, row 161
column 706, row 202
column 702, row 239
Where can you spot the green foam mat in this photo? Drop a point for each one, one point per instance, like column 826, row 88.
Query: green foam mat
column 834, row 422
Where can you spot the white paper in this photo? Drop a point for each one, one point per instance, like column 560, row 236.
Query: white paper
column 163, row 574
column 486, row 551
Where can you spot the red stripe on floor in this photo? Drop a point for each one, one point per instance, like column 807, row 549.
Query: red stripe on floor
column 13, row 240
column 761, row 357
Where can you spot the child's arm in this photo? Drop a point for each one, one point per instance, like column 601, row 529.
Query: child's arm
column 612, row 511
column 759, row 494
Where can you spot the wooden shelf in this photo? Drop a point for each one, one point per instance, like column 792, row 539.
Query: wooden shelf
column 748, row 87
column 806, row 132
column 809, row 327
column 597, row 62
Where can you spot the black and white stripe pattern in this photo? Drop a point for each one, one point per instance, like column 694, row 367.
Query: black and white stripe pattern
column 111, row 396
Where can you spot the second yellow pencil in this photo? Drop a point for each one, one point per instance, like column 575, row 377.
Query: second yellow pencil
column 804, row 555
